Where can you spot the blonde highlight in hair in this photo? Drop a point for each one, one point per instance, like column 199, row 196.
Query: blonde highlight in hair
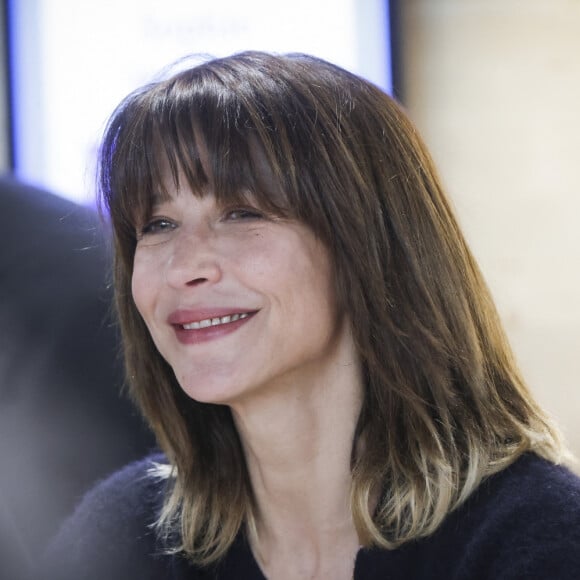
column 444, row 404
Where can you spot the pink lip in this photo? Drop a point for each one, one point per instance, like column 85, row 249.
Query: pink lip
column 195, row 336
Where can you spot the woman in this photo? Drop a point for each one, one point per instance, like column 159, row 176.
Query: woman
column 313, row 344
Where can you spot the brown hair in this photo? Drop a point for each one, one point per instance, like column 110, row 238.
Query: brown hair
column 444, row 406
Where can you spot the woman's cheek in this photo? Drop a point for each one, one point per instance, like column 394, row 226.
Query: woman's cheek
column 254, row 253
column 147, row 273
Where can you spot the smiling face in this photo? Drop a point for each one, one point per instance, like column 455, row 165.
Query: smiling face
column 235, row 300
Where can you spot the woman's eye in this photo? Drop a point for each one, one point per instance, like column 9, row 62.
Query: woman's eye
column 243, row 214
column 157, row 226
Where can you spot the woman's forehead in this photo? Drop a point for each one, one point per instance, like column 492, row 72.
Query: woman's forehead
column 201, row 167
column 235, row 166
column 175, row 191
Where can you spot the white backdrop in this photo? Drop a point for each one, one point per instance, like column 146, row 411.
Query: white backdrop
column 74, row 61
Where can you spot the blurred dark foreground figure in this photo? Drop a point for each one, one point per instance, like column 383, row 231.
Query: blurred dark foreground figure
column 63, row 422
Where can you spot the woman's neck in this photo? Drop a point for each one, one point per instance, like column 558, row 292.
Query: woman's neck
column 298, row 442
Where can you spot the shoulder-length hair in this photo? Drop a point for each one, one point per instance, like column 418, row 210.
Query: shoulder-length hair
column 444, row 403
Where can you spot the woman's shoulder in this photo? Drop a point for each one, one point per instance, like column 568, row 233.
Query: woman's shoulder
column 141, row 480
column 533, row 487
column 111, row 533
column 523, row 522
column 128, row 497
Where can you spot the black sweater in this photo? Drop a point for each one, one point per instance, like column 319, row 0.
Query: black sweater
column 523, row 523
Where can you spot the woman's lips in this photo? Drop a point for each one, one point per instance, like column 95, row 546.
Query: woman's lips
column 201, row 325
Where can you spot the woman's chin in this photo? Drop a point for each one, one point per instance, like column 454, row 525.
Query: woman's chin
column 212, row 393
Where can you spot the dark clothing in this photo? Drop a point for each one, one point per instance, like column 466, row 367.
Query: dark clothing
column 521, row 524
column 63, row 422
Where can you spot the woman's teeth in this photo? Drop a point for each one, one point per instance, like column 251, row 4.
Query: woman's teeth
column 214, row 321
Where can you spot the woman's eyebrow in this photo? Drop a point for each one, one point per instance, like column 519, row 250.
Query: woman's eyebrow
column 159, row 197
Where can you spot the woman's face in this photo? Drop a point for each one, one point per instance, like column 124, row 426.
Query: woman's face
column 236, row 301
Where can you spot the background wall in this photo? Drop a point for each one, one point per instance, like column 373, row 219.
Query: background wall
column 62, row 97
column 494, row 87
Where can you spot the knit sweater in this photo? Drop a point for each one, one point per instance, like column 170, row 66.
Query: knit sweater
column 522, row 523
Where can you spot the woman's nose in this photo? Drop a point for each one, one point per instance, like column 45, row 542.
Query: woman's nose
column 194, row 260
